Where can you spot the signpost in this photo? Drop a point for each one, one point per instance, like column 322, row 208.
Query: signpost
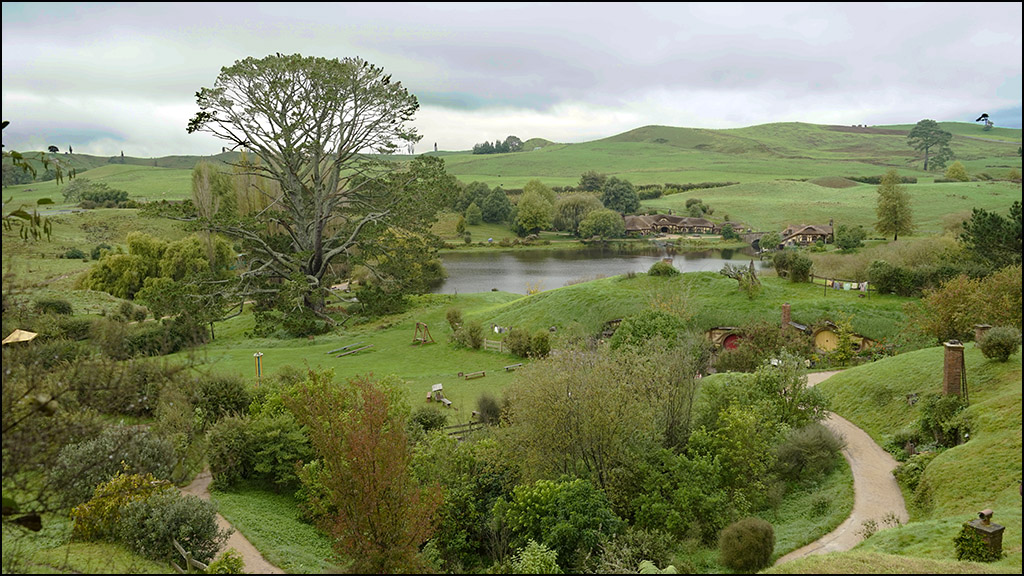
column 259, row 367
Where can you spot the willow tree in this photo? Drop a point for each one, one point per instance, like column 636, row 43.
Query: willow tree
column 314, row 131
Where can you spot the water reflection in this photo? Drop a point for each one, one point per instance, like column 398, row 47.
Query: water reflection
column 518, row 271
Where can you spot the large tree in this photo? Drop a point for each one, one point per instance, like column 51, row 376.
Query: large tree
column 619, row 195
column 308, row 125
column 992, row 238
column 929, row 138
column 893, row 207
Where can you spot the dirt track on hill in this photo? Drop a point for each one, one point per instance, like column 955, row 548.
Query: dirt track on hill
column 255, row 563
column 876, row 497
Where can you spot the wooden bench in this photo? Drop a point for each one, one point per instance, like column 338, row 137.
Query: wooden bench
column 472, row 375
column 512, row 367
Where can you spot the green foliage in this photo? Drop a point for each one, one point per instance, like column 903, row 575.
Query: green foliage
column 926, row 136
column 571, row 517
column 454, row 317
column 602, row 223
column 620, row 196
column 470, row 334
column 793, row 264
column 572, row 209
column 951, row 311
column 147, row 526
column 75, row 254
column 265, row 447
column 909, row 473
column 540, row 344
column 993, row 239
column 662, row 268
column 642, row 328
column 892, row 209
column 474, row 216
column 1000, row 343
column 943, row 420
column 808, row 453
column 747, row 545
column 218, row 395
column 517, row 340
column 488, row 409
column 850, row 238
column 534, row 212
column 97, row 518
column 625, row 551
column 83, row 466
column 57, row 306
column 956, row 171
column 428, row 419
column 100, row 195
column 728, row 232
column 496, row 207
column 230, row 562
column 592, row 181
column 770, row 241
column 970, row 546
column 536, row 558
column 231, row 452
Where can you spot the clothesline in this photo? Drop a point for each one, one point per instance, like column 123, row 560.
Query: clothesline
column 845, row 285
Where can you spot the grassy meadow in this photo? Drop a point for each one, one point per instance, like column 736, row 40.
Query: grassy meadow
column 786, row 173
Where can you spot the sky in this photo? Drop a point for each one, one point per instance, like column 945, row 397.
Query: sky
column 107, row 78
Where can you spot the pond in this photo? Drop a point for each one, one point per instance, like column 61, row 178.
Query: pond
column 519, row 271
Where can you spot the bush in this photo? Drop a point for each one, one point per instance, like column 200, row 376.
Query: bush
column 148, row 526
column 662, row 268
column 454, row 317
column 429, row 419
column 53, row 306
column 470, row 335
column 230, row 562
column 75, row 254
column 83, row 466
column 217, row 396
column 1000, row 343
column 99, row 249
column 488, row 409
column 645, row 326
column 624, row 552
column 97, row 518
column 540, row 344
column 536, row 559
column 793, row 264
column 909, row 473
column 231, row 452
column 747, row 545
column 517, row 340
column 808, row 453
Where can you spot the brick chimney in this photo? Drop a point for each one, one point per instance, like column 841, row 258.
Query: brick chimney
column 980, row 330
column 785, row 315
column 953, row 368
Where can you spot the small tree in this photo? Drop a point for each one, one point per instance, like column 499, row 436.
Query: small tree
column 849, row 238
column 893, row 210
column 619, row 195
column 603, row 223
column 956, row 171
column 474, row 216
column 770, row 241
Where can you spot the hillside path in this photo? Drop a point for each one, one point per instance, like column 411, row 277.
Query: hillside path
column 254, row 561
column 876, row 494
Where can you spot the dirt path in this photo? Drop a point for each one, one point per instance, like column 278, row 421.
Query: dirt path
column 254, row 561
column 876, row 497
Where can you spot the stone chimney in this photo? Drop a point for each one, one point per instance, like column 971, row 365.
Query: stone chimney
column 979, row 331
column 953, row 368
column 785, row 315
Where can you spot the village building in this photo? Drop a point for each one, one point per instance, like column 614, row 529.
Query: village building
column 807, row 235
column 642, row 225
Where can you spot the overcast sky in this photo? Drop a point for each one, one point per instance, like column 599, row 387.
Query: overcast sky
column 112, row 77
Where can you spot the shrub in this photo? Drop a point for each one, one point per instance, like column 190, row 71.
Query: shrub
column 230, row 562
column 470, row 335
column 96, row 519
column 808, row 452
column 231, row 451
column 488, row 409
column 217, row 396
column 428, row 419
column 645, row 326
column 540, row 344
column 793, row 264
column 747, row 545
column 454, row 317
column 1000, row 343
column 942, row 418
column 148, row 526
column 517, row 340
column 81, row 467
column 624, row 552
column 99, row 250
column 536, row 559
column 57, row 306
column 662, row 268
column 909, row 473
column 75, row 254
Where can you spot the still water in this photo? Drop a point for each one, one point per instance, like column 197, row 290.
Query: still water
column 519, row 271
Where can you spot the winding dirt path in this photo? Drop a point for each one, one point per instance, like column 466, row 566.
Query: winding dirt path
column 255, row 563
column 876, row 495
